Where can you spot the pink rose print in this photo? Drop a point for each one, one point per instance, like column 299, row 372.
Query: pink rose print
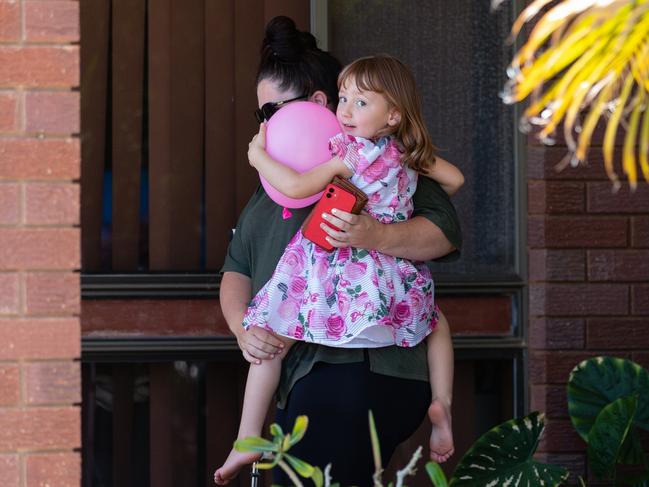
column 417, row 300
column 375, row 198
column 402, row 182
column 344, row 254
column 293, row 262
column 296, row 332
column 297, row 286
column 335, row 327
column 316, row 320
column 343, row 302
column 401, row 314
column 375, row 171
column 405, row 343
column 355, row 270
column 289, row 309
column 321, row 267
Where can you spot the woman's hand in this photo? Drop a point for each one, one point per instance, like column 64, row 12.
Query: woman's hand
column 360, row 231
column 257, row 145
column 258, row 344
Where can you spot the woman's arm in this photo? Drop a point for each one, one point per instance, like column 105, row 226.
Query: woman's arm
column 414, row 239
column 256, row 344
column 446, row 174
column 432, row 233
column 288, row 181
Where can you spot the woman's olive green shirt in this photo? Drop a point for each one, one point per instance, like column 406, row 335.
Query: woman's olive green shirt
column 259, row 240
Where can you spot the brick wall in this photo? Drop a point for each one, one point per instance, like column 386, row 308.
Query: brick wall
column 588, row 269
column 39, row 244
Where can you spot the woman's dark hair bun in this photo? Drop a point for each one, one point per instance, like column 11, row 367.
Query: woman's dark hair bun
column 284, row 41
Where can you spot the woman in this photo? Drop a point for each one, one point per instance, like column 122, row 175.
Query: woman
column 391, row 381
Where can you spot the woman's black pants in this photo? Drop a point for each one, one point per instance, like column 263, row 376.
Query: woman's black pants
column 336, row 398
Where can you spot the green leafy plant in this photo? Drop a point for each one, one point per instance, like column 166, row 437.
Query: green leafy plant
column 586, row 60
column 608, row 402
column 503, row 456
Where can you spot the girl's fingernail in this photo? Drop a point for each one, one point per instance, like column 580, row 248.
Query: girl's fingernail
column 334, row 211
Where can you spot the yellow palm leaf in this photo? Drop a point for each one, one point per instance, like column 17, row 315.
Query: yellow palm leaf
column 586, row 59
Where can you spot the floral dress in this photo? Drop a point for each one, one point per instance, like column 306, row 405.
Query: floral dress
column 353, row 297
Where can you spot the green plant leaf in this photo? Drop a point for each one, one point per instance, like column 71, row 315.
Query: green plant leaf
column 276, row 432
column 598, row 381
column 608, row 434
column 503, row 456
column 436, row 474
column 317, row 477
column 376, row 447
column 254, row 444
column 300, row 466
column 299, row 429
column 632, row 452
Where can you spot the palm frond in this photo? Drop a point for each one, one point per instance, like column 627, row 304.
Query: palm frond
column 584, row 62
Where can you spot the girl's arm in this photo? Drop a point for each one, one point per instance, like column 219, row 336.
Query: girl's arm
column 446, row 174
column 288, row 181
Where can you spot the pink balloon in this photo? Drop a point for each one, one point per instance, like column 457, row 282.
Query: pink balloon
column 298, row 136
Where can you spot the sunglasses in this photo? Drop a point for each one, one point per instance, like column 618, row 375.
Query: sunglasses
column 267, row 110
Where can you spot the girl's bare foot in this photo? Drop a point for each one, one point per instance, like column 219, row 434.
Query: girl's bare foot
column 441, row 438
column 236, row 461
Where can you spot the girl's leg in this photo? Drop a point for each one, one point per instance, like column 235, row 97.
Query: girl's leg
column 440, row 369
column 336, row 398
column 260, row 386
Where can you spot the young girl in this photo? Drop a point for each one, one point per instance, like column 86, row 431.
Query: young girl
column 349, row 297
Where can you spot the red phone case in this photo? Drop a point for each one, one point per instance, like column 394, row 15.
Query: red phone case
column 332, row 197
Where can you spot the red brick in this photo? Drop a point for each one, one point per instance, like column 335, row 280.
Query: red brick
column 579, row 299
column 52, row 21
column 640, row 231
column 616, row 333
column 557, row 333
column 52, row 382
column 566, row 232
column 9, row 204
column 9, row 471
column 40, row 428
column 618, row 265
column 602, row 199
column 42, row 249
column 557, row 265
column 640, row 299
column 9, row 21
column 9, row 385
column 550, row 399
column 39, row 66
column 9, row 115
column 53, row 112
column 52, row 293
column 542, row 163
column 555, row 197
column 560, row 436
column 39, row 339
column 39, row 159
column 555, row 367
column 53, row 470
column 47, row 204
column 9, row 297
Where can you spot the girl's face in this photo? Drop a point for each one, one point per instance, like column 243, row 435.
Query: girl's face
column 364, row 113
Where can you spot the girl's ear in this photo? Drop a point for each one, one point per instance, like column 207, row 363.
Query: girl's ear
column 319, row 97
column 394, row 118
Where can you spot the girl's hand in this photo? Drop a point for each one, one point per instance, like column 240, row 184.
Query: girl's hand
column 257, row 344
column 360, row 231
column 257, row 144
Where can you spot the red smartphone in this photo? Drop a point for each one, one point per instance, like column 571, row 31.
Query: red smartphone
column 333, row 197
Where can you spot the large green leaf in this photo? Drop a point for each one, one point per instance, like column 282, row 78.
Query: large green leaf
column 436, row 474
column 609, row 433
column 598, row 381
column 503, row 456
